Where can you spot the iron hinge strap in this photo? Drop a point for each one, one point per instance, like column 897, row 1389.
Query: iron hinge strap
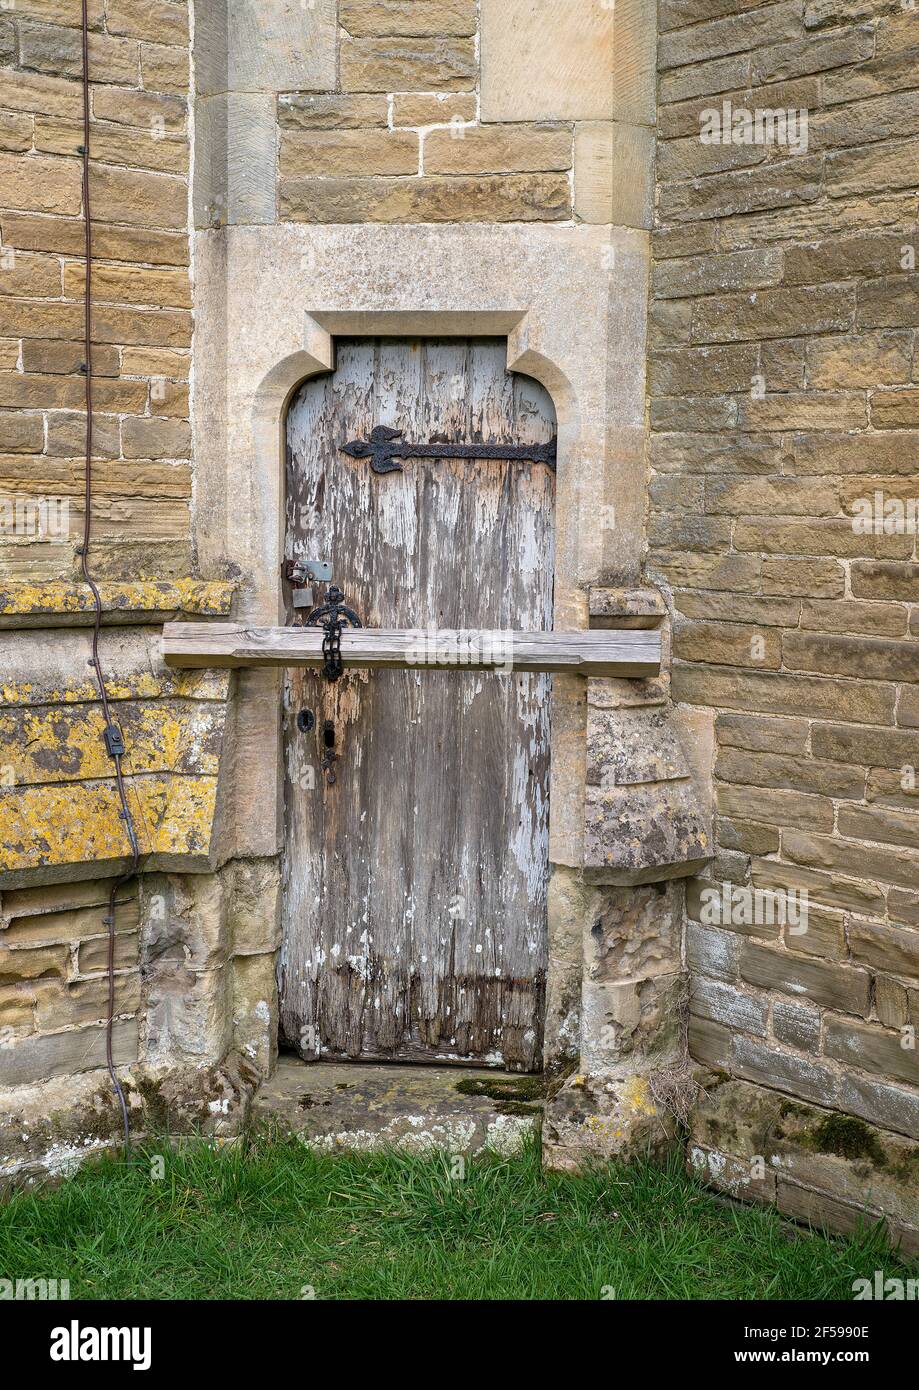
column 385, row 446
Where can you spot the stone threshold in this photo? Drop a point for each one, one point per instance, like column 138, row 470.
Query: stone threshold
column 335, row 1106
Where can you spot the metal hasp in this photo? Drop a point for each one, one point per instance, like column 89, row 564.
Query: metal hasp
column 333, row 615
column 386, row 445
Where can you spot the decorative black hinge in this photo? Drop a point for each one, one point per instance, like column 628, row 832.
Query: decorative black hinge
column 386, row 445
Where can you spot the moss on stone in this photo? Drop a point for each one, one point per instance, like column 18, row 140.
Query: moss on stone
column 511, row 1089
column 156, row 1108
column 512, row 1095
column 847, row 1137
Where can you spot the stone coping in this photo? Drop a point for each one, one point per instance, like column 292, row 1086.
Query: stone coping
column 68, row 603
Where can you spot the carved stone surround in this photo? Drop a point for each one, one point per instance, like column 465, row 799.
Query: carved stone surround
column 625, row 810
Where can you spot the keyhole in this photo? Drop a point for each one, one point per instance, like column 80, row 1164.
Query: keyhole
column 330, row 757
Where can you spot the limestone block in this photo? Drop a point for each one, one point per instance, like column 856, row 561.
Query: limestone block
column 235, row 160
column 630, row 1019
column 635, row 62
column 85, row 1001
column 38, row 1057
column 16, row 1005
column 57, row 50
column 505, row 149
column 799, row 1026
column 165, row 68
column 265, row 46
column 593, row 171
column 632, row 163
column 47, row 829
column 48, row 1127
column 408, row 17
column 624, row 749
column 644, row 834
column 23, row 964
column 568, row 908
column 457, row 198
column 255, row 1010
column 625, row 607
column 302, row 111
column 189, row 1016
column 613, row 173
column 137, row 197
column 820, row 1150
column 405, row 65
column 359, row 1107
column 745, row 1181
column 254, row 921
column 185, row 919
column 46, row 668
column 160, row 21
column 63, row 810
column 545, row 61
column 614, row 1115
column 92, row 955
column 633, row 934
column 48, row 745
column 432, row 108
column 334, row 153
column 145, row 437
column 38, row 184
column 642, row 817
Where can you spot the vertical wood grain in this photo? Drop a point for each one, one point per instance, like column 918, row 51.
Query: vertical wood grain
column 415, row 888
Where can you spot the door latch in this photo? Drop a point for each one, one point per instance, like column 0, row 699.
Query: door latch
column 333, row 616
column 302, row 575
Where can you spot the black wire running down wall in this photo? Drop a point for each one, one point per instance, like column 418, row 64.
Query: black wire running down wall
column 114, row 741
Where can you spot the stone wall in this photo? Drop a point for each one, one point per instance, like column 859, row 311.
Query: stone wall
column 783, row 391
column 194, row 984
column 195, row 1013
column 142, row 324
column 429, row 111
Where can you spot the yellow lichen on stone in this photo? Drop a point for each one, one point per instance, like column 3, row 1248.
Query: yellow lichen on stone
column 65, row 743
column 79, row 822
column 142, row 685
column 636, row 1094
column 137, row 601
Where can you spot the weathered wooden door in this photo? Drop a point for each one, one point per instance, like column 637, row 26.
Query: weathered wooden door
column 415, row 885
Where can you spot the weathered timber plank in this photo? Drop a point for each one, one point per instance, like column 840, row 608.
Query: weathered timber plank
column 593, row 653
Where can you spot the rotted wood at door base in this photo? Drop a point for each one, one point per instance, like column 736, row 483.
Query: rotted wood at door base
column 415, row 887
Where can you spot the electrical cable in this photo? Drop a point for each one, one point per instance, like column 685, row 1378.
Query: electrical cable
column 114, row 741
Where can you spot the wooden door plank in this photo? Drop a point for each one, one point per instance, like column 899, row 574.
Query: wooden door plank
column 606, row 652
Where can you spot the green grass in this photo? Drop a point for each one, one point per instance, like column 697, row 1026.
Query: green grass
column 272, row 1220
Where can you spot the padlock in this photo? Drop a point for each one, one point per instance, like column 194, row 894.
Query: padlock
column 303, row 598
